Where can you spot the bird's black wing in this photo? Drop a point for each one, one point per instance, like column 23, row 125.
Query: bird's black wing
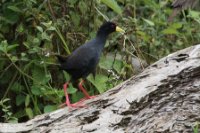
column 83, row 60
column 80, row 59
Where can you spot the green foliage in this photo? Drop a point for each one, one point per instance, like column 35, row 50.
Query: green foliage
column 196, row 128
column 32, row 31
column 49, row 108
column 113, row 5
column 7, row 114
column 71, row 89
column 194, row 15
column 99, row 82
column 4, row 47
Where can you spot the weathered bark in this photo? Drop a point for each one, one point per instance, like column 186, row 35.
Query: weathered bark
column 165, row 97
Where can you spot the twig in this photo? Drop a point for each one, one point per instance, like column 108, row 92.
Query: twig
column 51, row 10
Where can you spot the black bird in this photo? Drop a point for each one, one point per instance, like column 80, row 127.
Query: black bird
column 85, row 58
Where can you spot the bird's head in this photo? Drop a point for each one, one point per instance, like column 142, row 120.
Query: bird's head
column 109, row 27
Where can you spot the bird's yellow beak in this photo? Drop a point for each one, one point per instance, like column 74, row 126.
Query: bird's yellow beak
column 118, row 29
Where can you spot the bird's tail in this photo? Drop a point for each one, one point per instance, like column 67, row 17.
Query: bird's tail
column 61, row 58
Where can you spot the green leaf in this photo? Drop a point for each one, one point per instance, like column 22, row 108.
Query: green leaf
column 39, row 28
column 118, row 65
column 107, row 63
column 15, row 9
column 49, row 108
column 27, row 100
column 49, row 24
column 143, row 35
column 170, row 31
column 176, row 25
column 29, row 112
column 151, row 23
column 21, row 113
column 71, row 89
column 194, row 14
column 113, row 5
column 13, row 120
column 72, row 2
column 51, row 28
column 3, row 46
column 4, row 101
column 77, row 96
column 11, row 16
column 14, row 58
column 20, row 28
column 36, row 90
column 75, row 18
column 82, row 5
column 36, row 41
column 20, row 99
column 40, row 76
column 17, row 87
column 99, row 82
column 46, row 36
column 66, row 75
column 10, row 47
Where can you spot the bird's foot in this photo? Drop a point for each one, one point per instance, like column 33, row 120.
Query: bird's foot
column 91, row 97
column 88, row 97
column 74, row 105
column 77, row 104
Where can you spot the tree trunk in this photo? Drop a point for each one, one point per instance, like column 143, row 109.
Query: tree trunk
column 165, row 97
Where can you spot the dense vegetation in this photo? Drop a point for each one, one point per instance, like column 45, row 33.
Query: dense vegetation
column 32, row 32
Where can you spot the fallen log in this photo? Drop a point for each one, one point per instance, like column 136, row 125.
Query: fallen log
column 165, row 97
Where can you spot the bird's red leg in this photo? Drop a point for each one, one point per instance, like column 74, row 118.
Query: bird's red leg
column 65, row 86
column 67, row 102
column 87, row 96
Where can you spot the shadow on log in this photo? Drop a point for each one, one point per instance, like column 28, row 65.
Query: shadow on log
column 165, row 97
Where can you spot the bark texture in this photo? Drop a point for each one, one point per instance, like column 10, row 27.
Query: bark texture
column 165, row 97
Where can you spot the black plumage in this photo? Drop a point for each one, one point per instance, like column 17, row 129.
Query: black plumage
column 84, row 59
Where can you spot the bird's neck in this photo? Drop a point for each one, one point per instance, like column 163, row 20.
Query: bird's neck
column 101, row 39
column 100, row 42
column 102, row 34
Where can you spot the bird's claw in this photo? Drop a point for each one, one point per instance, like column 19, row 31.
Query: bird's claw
column 77, row 104
column 74, row 105
column 91, row 97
